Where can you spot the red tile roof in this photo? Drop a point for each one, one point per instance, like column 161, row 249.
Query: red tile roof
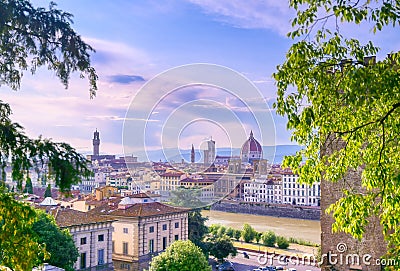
column 70, row 217
column 138, row 210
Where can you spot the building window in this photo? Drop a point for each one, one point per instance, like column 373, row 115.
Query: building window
column 176, row 237
column 113, row 246
column 151, row 245
column 125, row 230
column 151, row 229
column 164, row 227
column 83, row 260
column 125, row 248
column 100, row 237
column 83, row 241
column 100, row 257
column 164, row 243
column 125, row 266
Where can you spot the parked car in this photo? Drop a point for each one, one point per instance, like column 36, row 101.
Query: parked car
column 279, row 267
column 225, row 266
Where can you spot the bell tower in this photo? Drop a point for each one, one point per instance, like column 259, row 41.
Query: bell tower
column 96, row 143
column 192, row 155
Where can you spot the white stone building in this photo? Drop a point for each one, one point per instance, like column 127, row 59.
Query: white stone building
column 299, row 194
column 92, row 235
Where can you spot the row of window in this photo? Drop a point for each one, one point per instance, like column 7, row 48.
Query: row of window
column 151, row 228
column 164, row 227
column 125, row 245
column 302, row 200
column 83, row 260
column 100, row 238
column 289, row 193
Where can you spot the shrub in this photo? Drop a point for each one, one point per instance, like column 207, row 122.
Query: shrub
column 269, row 238
column 282, row 242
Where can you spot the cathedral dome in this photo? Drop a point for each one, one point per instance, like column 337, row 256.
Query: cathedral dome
column 251, row 150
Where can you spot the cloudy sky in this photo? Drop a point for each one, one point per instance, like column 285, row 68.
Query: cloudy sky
column 141, row 43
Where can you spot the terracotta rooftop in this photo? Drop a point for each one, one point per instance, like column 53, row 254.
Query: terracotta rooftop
column 137, row 210
column 70, row 217
column 144, row 195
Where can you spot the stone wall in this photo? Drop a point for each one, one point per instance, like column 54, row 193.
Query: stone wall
column 269, row 210
column 345, row 251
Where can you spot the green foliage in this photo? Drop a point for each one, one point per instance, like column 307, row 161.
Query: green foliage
column 257, row 237
column 221, row 231
column 186, row 197
column 59, row 243
column 213, row 229
column 180, row 256
column 248, row 233
column 237, row 234
column 65, row 165
column 19, row 249
column 282, row 242
column 230, row 232
column 45, row 38
column 47, row 193
column 197, row 228
column 345, row 109
column 28, row 186
column 221, row 247
column 30, row 38
column 269, row 238
column 302, row 242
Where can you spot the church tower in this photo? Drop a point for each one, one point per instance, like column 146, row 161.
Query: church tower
column 96, row 143
column 192, row 155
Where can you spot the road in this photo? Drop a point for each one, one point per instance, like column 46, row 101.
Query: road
column 240, row 263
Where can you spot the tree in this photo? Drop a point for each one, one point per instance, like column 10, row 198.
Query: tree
column 45, row 38
column 282, row 242
column 59, row 243
column 230, row 232
column 28, row 186
column 180, row 256
column 213, row 229
column 186, row 197
column 47, row 193
column 257, row 237
column 331, row 93
column 221, row 231
column 197, row 228
column 237, row 234
column 248, row 233
column 221, row 247
column 16, row 221
column 268, row 238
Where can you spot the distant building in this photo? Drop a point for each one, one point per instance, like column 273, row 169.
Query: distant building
column 251, row 150
column 169, row 181
column 192, row 155
column 96, row 143
column 299, row 194
column 96, row 149
column 262, row 190
column 209, row 153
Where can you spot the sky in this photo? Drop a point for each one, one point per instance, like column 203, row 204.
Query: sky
column 144, row 50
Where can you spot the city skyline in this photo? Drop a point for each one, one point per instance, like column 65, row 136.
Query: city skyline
column 136, row 41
